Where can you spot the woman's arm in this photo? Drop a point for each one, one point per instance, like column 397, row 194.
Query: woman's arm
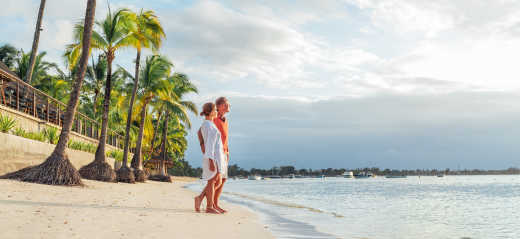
column 211, row 165
column 201, row 141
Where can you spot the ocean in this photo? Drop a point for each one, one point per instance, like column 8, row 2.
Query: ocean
column 414, row 207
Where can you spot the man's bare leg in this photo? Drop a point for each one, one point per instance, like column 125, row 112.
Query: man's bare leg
column 218, row 191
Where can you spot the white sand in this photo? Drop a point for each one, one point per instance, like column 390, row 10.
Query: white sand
column 109, row 210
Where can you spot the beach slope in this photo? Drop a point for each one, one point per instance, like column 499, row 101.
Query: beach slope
column 110, row 210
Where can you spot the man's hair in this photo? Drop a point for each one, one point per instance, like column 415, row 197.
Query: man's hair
column 220, row 100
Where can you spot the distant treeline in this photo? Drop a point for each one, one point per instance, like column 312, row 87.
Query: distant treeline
column 235, row 170
column 183, row 168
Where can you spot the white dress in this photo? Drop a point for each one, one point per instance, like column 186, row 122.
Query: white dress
column 214, row 150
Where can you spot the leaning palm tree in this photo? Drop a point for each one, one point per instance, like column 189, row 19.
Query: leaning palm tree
column 57, row 169
column 115, row 34
column 147, row 33
column 36, row 40
column 153, row 83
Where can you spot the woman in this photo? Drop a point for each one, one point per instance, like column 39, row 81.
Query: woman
column 214, row 163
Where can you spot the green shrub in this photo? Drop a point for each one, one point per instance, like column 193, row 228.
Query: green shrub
column 19, row 132
column 51, row 135
column 6, row 123
column 86, row 147
column 115, row 154
column 36, row 136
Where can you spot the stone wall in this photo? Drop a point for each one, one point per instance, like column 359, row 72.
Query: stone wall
column 32, row 124
column 17, row 153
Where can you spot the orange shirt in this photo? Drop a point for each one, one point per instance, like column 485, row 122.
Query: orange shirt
column 222, row 126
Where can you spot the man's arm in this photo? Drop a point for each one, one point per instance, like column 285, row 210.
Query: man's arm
column 201, row 141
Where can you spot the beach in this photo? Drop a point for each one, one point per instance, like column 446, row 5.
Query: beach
column 117, row 210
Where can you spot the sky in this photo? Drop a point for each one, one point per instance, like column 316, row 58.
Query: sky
column 333, row 83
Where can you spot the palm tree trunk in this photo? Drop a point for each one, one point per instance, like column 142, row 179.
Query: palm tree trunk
column 130, row 108
column 137, row 160
column 100, row 152
column 163, row 146
column 36, row 40
column 155, row 128
column 57, row 168
column 99, row 169
column 96, row 95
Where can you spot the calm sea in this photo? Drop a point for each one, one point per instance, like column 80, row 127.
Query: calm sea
column 413, row 207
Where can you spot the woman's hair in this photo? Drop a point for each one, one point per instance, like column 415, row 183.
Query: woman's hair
column 207, row 108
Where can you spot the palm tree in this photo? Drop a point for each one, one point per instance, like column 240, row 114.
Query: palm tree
column 36, row 40
column 148, row 33
column 40, row 67
column 96, row 75
column 57, row 169
column 174, row 106
column 115, row 34
column 154, row 82
column 56, row 86
column 8, row 55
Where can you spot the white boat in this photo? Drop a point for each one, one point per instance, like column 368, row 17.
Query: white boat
column 254, row 177
column 348, row 174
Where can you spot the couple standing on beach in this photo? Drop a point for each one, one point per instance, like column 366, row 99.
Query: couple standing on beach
column 213, row 138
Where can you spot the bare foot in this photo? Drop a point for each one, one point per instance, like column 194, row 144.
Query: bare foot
column 198, row 201
column 212, row 210
column 220, row 209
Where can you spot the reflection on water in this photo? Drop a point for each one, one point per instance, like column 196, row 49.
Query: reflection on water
column 413, row 207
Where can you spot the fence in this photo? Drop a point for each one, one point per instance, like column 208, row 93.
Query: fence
column 20, row 96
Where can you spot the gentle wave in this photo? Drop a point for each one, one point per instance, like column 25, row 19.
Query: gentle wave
column 283, row 204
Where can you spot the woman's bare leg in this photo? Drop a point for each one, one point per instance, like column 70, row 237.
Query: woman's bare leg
column 210, row 185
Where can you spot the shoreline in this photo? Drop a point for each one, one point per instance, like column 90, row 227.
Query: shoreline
column 272, row 214
column 116, row 210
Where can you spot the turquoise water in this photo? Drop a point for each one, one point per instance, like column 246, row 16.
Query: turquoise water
column 413, row 207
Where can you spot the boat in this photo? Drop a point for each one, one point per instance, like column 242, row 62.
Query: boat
column 348, row 174
column 254, row 177
column 363, row 175
column 395, row 176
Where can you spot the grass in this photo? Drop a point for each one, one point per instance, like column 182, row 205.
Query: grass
column 81, row 146
column 116, row 154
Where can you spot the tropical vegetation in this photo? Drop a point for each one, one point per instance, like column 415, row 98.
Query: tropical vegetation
column 149, row 107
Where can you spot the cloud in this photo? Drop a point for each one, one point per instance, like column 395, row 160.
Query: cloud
column 471, row 129
column 228, row 45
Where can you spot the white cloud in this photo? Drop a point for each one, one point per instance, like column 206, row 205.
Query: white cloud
column 473, row 129
column 229, row 45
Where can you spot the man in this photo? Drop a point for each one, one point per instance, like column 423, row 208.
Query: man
column 222, row 124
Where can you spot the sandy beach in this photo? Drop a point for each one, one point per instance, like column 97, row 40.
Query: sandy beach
column 110, row 210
